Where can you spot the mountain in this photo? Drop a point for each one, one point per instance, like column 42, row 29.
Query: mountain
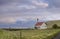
column 26, row 24
column 19, row 24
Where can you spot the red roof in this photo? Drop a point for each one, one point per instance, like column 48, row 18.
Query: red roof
column 38, row 23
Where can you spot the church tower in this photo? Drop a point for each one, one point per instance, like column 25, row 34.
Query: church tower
column 37, row 19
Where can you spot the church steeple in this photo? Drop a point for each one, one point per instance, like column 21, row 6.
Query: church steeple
column 37, row 19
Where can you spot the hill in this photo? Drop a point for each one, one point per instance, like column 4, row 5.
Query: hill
column 51, row 23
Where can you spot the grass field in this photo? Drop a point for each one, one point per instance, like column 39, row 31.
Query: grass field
column 28, row 34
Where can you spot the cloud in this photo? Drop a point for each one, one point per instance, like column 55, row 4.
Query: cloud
column 45, row 15
column 40, row 3
column 27, row 9
column 25, row 12
column 53, row 17
column 7, row 20
column 19, row 5
column 54, row 3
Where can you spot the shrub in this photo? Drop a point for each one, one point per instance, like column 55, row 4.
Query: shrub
column 55, row 26
column 35, row 27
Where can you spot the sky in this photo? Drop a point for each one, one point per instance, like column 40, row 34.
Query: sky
column 23, row 13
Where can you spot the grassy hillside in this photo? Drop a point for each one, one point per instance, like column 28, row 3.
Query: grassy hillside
column 51, row 23
column 28, row 34
column 31, row 34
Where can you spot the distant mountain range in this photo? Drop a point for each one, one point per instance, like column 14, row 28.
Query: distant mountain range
column 19, row 24
column 28, row 24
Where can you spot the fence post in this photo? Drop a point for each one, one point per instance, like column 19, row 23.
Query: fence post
column 20, row 34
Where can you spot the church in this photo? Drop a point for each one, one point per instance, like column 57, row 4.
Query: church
column 40, row 25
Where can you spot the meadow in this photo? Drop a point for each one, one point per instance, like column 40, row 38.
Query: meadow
column 28, row 34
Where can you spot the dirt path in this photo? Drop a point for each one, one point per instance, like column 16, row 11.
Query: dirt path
column 57, row 37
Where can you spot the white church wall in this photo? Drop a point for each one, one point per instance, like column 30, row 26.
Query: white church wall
column 43, row 26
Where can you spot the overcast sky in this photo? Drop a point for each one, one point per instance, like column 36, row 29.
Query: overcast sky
column 12, row 11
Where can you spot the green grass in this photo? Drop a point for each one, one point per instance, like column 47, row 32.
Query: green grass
column 39, row 34
column 51, row 23
column 29, row 34
column 8, row 34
